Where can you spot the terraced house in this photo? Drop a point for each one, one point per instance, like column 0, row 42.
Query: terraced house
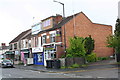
column 50, row 37
column 16, row 46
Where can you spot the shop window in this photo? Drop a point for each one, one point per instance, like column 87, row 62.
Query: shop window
column 40, row 58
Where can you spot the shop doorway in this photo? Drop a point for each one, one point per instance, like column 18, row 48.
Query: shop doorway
column 38, row 58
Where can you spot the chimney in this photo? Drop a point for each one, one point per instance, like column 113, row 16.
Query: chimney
column 58, row 18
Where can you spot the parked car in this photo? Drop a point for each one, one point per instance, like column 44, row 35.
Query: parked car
column 6, row 63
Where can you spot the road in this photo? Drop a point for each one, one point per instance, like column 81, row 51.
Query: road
column 112, row 72
column 21, row 73
column 101, row 70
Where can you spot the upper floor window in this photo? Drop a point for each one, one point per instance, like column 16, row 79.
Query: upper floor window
column 29, row 43
column 10, row 46
column 46, row 23
column 36, row 28
column 43, row 39
column 36, row 41
column 15, row 46
column 52, row 37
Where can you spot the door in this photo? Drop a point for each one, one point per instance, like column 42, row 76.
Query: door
column 35, row 58
column 38, row 59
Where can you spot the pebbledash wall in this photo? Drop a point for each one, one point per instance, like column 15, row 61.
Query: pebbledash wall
column 82, row 26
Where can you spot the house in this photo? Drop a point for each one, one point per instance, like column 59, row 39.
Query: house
column 26, row 49
column 15, row 46
column 37, row 49
column 3, row 51
column 40, row 40
column 55, row 38
column 49, row 38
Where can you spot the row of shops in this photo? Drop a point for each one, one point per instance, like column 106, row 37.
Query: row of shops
column 37, row 56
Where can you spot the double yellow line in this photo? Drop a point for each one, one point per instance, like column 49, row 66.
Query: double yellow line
column 87, row 70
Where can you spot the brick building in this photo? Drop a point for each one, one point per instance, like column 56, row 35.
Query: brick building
column 51, row 36
column 80, row 25
column 75, row 25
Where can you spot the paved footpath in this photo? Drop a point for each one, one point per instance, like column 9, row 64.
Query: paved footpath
column 96, row 65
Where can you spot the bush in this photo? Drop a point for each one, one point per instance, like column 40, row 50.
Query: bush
column 103, row 58
column 63, row 56
column 75, row 66
column 91, row 57
column 69, row 55
column 84, row 65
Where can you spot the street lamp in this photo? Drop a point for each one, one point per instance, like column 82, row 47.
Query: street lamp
column 64, row 25
column 63, row 7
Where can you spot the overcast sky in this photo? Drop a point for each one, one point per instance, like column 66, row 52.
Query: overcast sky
column 17, row 15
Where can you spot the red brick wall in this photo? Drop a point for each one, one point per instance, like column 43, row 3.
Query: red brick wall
column 60, row 51
column 83, row 28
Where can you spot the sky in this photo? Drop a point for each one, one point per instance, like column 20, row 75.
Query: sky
column 16, row 16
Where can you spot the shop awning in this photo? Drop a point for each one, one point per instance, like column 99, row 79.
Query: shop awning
column 25, row 51
column 49, row 48
column 9, row 52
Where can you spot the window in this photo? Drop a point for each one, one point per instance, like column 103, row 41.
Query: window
column 15, row 46
column 43, row 39
column 29, row 43
column 52, row 37
column 24, row 44
column 36, row 28
column 36, row 41
column 58, row 33
column 46, row 23
column 10, row 46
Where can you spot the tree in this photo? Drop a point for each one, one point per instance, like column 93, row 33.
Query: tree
column 117, row 28
column 76, row 48
column 114, row 40
column 89, row 45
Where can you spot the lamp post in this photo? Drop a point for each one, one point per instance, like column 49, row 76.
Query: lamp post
column 64, row 24
column 63, row 7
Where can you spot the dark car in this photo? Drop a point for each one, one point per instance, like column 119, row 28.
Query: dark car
column 6, row 63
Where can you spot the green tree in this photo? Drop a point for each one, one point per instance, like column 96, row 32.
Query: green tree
column 76, row 48
column 89, row 45
column 114, row 40
column 117, row 28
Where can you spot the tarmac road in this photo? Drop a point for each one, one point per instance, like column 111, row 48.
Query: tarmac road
column 20, row 73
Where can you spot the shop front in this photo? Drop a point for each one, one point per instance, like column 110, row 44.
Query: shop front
column 9, row 55
column 17, row 57
column 24, row 55
column 49, row 52
column 38, row 56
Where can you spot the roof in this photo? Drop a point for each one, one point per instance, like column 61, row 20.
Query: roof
column 101, row 24
column 47, row 18
column 27, row 36
column 19, row 36
column 59, row 25
column 3, row 48
column 51, row 17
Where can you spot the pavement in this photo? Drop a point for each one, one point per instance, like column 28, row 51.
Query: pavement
column 99, row 65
